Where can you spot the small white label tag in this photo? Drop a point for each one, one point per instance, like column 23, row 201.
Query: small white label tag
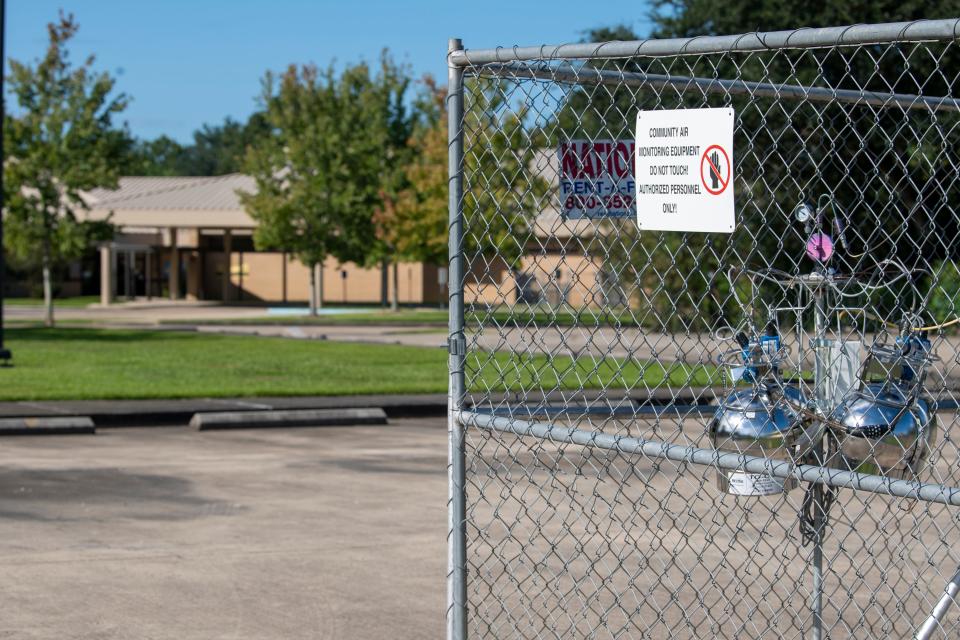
column 753, row 484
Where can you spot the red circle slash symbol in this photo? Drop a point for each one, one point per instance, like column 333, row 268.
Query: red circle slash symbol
column 715, row 169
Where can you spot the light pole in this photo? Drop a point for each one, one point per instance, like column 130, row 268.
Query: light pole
column 5, row 354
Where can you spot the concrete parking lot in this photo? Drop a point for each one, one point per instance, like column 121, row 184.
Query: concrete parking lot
column 168, row 533
column 339, row 532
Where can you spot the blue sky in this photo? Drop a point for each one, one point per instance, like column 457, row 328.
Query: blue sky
column 189, row 62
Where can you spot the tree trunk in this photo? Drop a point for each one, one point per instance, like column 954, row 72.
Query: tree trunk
column 313, row 290
column 395, row 301
column 384, row 287
column 319, row 285
column 47, row 291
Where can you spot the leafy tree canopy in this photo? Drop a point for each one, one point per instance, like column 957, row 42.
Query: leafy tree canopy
column 413, row 220
column 215, row 150
column 62, row 142
column 687, row 18
column 320, row 173
column 788, row 150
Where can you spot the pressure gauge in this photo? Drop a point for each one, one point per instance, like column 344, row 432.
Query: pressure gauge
column 803, row 212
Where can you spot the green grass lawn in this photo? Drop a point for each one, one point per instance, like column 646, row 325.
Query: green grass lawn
column 73, row 303
column 83, row 363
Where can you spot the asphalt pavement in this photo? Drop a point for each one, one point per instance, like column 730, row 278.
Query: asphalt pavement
column 335, row 532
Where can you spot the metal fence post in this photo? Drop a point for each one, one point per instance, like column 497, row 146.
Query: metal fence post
column 4, row 352
column 456, row 529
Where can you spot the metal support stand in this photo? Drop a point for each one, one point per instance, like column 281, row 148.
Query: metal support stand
column 820, row 522
column 940, row 611
column 822, row 395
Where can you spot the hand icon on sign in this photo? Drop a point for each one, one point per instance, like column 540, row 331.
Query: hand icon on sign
column 714, row 167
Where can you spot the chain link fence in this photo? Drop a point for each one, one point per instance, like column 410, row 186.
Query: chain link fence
column 694, row 435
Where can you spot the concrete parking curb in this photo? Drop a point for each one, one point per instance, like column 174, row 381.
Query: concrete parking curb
column 178, row 412
column 278, row 419
column 43, row 425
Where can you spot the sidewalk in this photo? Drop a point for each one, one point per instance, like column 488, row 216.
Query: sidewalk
column 138, row 312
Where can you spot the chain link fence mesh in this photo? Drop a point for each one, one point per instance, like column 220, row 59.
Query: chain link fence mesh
column 576, row 329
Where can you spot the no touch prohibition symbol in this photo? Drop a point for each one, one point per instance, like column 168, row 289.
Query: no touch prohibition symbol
column 715, row 169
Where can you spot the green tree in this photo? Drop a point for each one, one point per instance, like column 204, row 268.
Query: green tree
column 688, row 18
column 162, row 156
column 215, row 150
column 63, row 142
column 787, row 150
column 221, row 149
column 853, row 153
column 411, row 221
column 317, row 173
column 418, row 221
column 394, row 123
column 504, row 190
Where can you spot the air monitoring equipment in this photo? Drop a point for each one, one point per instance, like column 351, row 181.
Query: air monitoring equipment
column 835, row 409
column 757, row 420
column 886, row 426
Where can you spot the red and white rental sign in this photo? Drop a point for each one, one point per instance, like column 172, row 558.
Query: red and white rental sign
column 684, row 170
column 596, row 178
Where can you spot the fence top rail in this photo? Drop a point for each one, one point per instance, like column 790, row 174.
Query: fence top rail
column 807, row 38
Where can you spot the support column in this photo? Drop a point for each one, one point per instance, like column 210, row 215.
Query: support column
column 114, row 272
column 240, row 276
column 106, row 275
column 384, row 283
column 227, row 250
column 283, row 266
column 128, row 276
column 194, row 275
column 173, row 278
column 148, row 273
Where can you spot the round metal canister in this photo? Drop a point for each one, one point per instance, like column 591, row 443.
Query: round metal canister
column 750, row 422
column 886, row 432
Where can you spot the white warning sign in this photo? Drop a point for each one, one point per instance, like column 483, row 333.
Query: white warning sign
column 684, row 170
